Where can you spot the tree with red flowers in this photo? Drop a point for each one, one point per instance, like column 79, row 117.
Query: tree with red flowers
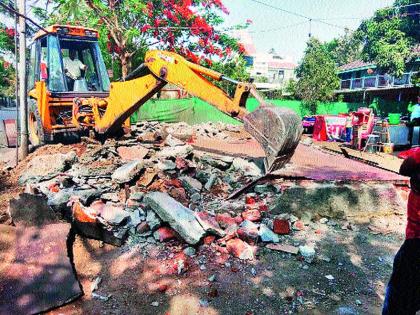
column 7, row 71
column 131, row 27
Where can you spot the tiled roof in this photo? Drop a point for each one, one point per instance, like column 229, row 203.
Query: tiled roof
column 355, row 65
column 281, row 65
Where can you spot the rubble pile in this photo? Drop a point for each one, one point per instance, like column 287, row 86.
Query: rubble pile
column 151, row 186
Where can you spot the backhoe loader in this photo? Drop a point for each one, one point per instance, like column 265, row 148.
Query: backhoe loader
column 70, row 91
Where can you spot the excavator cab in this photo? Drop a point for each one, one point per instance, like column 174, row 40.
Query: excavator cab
column 70, row 92
column 65, row 63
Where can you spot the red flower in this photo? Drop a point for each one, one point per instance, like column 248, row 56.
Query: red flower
column 145, row 28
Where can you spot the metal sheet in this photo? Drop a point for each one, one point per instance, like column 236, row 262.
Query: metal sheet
column 10, row 130
column 35, row 271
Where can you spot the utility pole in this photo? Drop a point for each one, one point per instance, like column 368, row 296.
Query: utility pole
column 22, row 81
column 13, row 4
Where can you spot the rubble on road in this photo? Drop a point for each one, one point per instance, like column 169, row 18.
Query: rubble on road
column 151, row 187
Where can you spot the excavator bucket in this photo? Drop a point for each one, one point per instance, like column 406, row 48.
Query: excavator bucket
column 278, row 131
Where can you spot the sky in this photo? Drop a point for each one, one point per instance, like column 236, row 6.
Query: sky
column 287, row 33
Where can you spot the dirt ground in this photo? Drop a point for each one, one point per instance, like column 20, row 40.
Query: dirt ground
column 359, row 261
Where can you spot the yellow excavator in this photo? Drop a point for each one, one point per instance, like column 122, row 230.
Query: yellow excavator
column 70, row 91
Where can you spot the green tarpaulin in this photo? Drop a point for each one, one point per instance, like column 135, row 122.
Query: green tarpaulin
column 195, row 111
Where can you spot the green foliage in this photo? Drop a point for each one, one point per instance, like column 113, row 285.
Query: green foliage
column 129, row 28
column 317, row 74
column 234, row 68
column 346, row 48
column 291, row 88
column 390, row 36
column 7, row 78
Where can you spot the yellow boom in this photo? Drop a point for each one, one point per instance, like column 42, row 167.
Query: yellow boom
column 277, row 130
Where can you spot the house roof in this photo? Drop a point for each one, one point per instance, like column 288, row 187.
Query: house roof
column 356, row 65
column 281, row 65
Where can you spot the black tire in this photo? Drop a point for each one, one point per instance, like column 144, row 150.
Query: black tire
column 37, row 134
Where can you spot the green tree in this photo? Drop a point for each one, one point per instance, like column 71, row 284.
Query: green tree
column 317, row 74
column 128, row 28
column 346, row 48
column 390, row 36
column 7, row 71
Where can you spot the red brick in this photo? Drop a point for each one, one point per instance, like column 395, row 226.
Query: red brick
column 240, row 249
column 165, row 233
column 281, row 226
column 225, row 219
column 209, row 239
column 251, row 215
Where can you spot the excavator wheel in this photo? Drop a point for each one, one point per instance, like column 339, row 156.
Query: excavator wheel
column 277, row 130
column 37, row 135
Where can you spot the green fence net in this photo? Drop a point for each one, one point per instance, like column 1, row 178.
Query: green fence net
column 195, row 111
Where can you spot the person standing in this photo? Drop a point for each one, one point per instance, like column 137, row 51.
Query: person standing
column 403, row 290
column 414, row 111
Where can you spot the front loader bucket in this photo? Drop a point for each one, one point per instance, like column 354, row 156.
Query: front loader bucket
column 278, row 131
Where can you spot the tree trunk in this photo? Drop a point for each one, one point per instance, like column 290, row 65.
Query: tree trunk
column 125, row 64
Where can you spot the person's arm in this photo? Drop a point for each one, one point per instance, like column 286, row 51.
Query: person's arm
column 409, row 167
column 82, row 66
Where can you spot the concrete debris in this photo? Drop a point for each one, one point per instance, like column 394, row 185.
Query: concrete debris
column 180, row 218
column 166, row 165
column 307, row 252
column 284, row 248
column 178, row 151
column 127, row 172
column 246, row 167
column 248, row 231
column 173, row 142
column 153, row 221
column 132, row 153
column 267, row 235
column 190, row 251
column 210, row 182
column 192, row 185
column 209, row 223
column 241, row 249
column 44, row 167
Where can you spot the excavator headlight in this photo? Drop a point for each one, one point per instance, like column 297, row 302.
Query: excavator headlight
column 63, row 30
column 90, row 33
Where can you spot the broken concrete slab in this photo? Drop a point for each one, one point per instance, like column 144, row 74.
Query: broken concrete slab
column 88, row 223
column 248, row 231
column 59, row 200
column 173, row 142
column 127, row 172
column 246, row 167
column 267, row 235
column 36, row 274
column 209, row 223
column 284, row 248
column 180, row 218
column 31, row 210
column 44, row 167
column 171, row 152
column 153, row 220
column 132, row 153
column 338, row 200
column 191, row 184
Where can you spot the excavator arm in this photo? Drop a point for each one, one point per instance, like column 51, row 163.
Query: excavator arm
column 278, row 130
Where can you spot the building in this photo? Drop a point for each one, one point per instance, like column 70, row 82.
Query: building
column 361, row 80
column 270, row 70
